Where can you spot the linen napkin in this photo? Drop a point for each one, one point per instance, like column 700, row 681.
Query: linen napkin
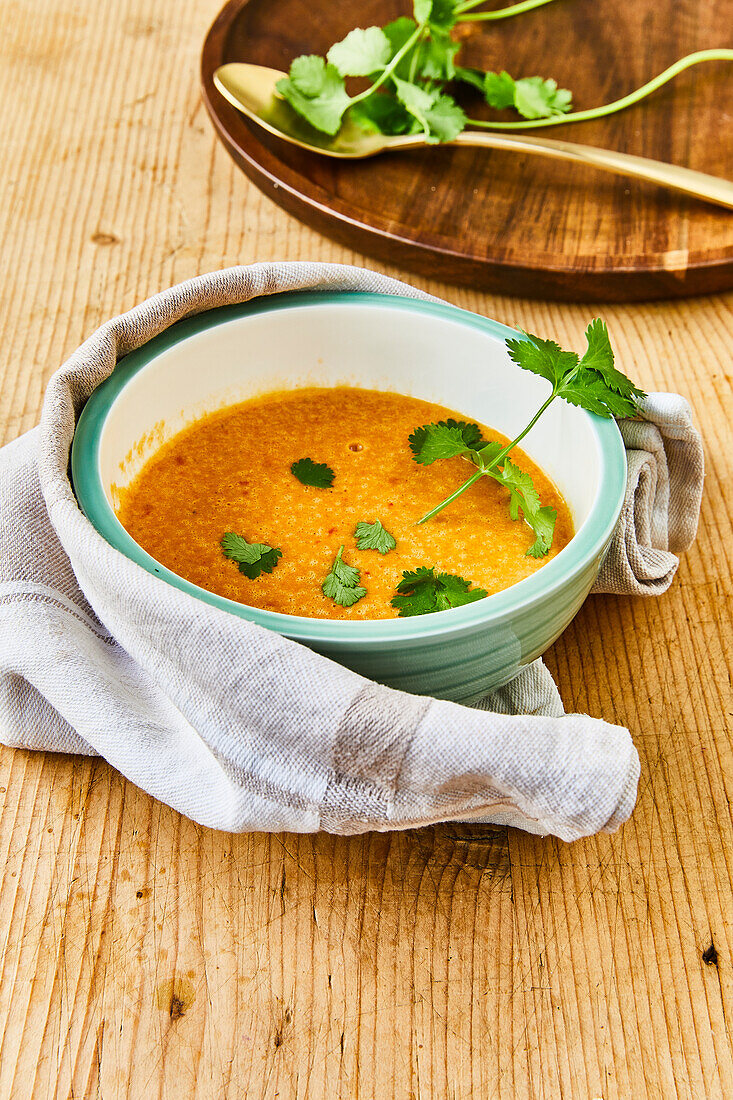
column 242, row 729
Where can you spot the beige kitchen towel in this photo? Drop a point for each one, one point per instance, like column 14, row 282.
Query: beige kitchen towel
column 242, row 729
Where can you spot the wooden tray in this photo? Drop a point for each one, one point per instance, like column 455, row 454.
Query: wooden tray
column 515, row 224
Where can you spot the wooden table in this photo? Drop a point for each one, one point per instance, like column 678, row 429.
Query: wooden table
column 144, row 956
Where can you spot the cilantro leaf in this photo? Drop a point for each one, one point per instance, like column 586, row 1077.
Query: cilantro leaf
column 593, row 395
column 593, row 382
column 422, row 10
column 372, row 536
column 523, row 495
column 345, row 574
column 443, row 15
column 543, row 525
column 453, row 591
column 522, row 492
column 308, row 74
column 599, row 357
column 398, row 32
column 499, row 90
column 475, row 77
column 342, row 583
column 444, row 440
column 381, row 114
column 416, row 593
column 439, row 115
column 531, row 96
column 253, row 558
column 317, row 474
column 362, row 52
column 436, row 56
column 538, row 98
column 415, row 100
column 485, row 455
column 317, row 92
column 543, row 357
column 445, row 119
column 422, row 592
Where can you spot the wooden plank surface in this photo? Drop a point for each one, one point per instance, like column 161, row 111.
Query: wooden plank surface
column 144, row 956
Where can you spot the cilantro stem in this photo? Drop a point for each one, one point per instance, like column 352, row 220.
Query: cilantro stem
column 501, row 13
column 415, row 55
column 490, row 465
column 618, row 104
column 387, row 72
column 449, row 500
column 502, row 454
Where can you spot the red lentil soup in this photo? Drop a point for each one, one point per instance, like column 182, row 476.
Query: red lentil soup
column 230, row 471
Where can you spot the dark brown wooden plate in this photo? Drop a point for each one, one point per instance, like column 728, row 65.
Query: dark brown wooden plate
column 515, row 224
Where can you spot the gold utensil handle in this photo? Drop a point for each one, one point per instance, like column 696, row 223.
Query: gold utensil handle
column 710, row 188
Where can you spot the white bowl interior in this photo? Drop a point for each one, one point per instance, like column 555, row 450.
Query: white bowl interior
column 359, row 343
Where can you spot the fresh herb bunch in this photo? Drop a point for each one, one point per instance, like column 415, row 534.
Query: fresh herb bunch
column 411, row 62
column 592, row 382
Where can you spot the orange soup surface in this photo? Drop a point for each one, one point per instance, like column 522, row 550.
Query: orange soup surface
column 230, row 471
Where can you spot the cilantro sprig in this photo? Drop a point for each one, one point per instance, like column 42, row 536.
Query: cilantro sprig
column 592, row 382
column 448, row 440
column 423, row 591
column 253, row 558
column 532, row 97
column 410, row 64
column 342, row 582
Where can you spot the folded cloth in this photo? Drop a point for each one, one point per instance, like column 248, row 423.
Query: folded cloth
column 241, row 729
column 663, row 493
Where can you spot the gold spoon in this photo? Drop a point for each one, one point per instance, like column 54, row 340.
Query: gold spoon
column 251, row 88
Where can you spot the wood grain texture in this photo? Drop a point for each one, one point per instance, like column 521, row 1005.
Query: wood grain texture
column 505, row 222
column 142, row 956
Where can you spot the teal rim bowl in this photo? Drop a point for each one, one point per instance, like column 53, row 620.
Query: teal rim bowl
column 587, row 546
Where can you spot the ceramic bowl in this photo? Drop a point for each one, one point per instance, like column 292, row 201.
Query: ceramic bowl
column 427, row 350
